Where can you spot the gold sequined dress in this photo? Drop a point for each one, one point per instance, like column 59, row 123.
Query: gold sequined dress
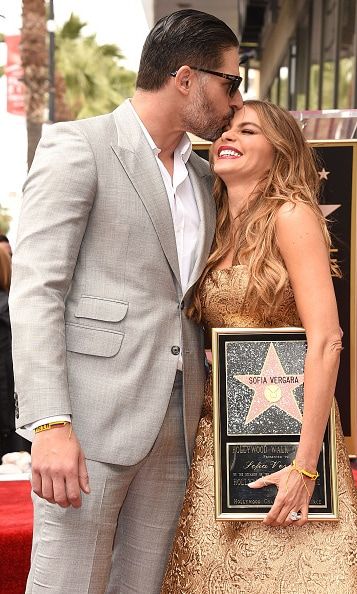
column 211, row 557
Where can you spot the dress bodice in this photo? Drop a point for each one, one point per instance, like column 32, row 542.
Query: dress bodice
column 223, row 305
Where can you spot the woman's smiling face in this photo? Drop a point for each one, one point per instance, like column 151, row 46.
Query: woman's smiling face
column 243, row 151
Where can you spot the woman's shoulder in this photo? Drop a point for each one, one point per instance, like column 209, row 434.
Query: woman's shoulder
column 295, row 212
column 297, row 218
column 299, row 230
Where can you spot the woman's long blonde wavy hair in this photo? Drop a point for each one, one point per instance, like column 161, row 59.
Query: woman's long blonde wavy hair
column 293, row 178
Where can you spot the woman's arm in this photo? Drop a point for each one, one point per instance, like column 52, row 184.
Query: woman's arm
column 306, row 258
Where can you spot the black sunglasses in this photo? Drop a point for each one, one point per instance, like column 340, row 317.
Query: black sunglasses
column 235, row 80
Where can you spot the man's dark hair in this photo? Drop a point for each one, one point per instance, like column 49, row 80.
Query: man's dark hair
column 187, row 37
column 3, row 238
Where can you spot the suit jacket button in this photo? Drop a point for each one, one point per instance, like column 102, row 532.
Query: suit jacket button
column 175, row 350
column 182, row 305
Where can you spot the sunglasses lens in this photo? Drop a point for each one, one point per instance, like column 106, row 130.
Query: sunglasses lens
column 235, row 86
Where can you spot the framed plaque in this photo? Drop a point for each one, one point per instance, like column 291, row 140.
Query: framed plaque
column 258, row 399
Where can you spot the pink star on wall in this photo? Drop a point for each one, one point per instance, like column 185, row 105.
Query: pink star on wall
column 272, row 387
column 323, row 174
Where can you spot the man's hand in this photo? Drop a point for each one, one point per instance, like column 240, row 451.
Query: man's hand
column 59, row 471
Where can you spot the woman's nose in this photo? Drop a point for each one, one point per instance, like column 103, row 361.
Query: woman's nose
column 228, row 134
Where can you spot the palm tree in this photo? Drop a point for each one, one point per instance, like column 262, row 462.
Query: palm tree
column 34, row 61
column 89, row 78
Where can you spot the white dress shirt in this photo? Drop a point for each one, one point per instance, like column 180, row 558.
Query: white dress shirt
column 185, row 217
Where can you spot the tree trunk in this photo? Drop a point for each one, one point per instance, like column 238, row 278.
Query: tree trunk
column 63, row 111
column 34, row 59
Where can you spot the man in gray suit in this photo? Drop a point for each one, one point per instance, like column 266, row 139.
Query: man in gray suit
column 116, row 227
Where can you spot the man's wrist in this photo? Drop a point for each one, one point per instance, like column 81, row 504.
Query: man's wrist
column 53, row 425
column 45, row 420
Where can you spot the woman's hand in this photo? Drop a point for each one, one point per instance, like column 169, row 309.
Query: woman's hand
column 294, row 494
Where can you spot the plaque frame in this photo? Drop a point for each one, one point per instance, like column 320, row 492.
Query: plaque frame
column 224, row 439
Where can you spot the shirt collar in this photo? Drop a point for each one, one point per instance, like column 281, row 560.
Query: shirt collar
column 184, row 147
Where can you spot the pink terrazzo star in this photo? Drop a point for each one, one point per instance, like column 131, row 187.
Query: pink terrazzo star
column 272, row 387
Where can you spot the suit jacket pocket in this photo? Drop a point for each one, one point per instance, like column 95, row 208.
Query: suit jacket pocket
column 93, row 341
column 98, row 308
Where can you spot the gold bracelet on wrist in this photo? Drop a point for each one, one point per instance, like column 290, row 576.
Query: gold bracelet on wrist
column 51, row 425
column 311, row 475
column 302, row 472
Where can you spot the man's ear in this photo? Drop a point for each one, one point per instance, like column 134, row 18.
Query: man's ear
column 183, row 79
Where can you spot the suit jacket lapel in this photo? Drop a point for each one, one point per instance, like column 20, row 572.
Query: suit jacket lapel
column 207, row 211
column 138, row 161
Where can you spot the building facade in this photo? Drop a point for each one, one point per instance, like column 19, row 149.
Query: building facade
column 302, row 52
column 307, row 53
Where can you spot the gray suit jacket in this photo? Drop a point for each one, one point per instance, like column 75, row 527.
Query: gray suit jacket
column 96, row 301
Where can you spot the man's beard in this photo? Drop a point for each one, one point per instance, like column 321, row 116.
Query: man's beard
column 201, row 119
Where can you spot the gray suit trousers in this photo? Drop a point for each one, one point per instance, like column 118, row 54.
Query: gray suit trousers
column 119, row 540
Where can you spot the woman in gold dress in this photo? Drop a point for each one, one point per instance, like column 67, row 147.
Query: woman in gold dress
column 269, row 267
